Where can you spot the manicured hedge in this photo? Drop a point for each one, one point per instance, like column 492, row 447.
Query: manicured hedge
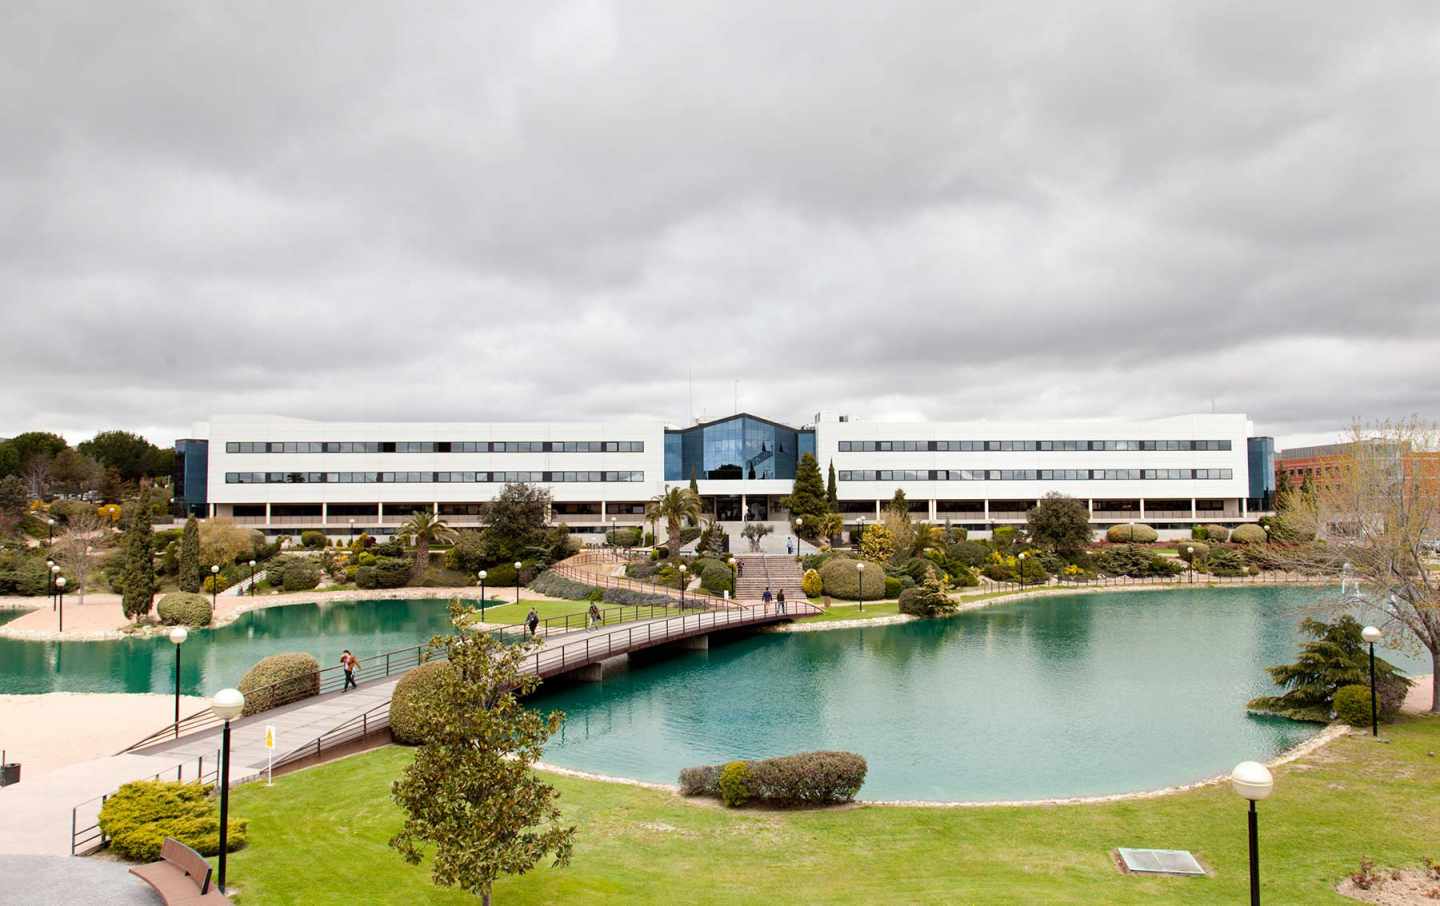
column 140, row 815
column 1352, row 705
column 812, row 583
column 840, row 579
column 716, row 578
column 404, row 702
column 893, row 587
column 1135, row 533
column 925, row 601
column 554, row 585
column 1248, row 533
column 313, row 540
column 301, row 575
column 810, row 778
column 183, row 608
column 1193, row 550
column 1227, row 563
column 278, row 680
column 385, row 572
column 1215, row 533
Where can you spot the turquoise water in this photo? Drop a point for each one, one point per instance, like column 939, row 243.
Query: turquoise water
column 1067, row 696
column 212, row 659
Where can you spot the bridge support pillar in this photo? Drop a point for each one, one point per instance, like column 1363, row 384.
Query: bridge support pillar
column 696, row 643
column 595, row 673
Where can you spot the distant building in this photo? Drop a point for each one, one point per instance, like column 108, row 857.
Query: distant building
column 285, row 475
column 1317, row 464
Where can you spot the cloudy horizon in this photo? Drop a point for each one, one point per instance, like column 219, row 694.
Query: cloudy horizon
column 579, row 210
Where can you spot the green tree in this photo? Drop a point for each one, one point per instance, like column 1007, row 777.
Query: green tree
column 131, row 455
column 1059, row 523
column 72, row 472
column 695, row 489
column 189, row 575
column 13, row 502
column 878, row 543
column 26, row 447
column 675, row 506
column 807, row 500
column 832, row 494
column 515, row 523
column 424, row 529
column 471, row 798
column 1337, row 657
column 138, row 584
column 899, row 505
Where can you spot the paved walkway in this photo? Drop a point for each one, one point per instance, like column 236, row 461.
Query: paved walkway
column 63, row 881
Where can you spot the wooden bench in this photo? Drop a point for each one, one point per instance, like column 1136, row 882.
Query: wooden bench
column 181, row 877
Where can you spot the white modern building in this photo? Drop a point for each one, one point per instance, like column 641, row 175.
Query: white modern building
column 286, row 475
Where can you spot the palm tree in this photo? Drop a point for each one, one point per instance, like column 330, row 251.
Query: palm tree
column 827, row 527
column 423, row 529
column 674, row 506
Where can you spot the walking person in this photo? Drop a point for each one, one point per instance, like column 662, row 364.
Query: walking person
column 532, row 621
column 789, row 546
column 780, row 600
column 595, row 618
column 351, row 664
column 765, row 598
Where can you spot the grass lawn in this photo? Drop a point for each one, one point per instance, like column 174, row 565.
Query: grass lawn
column 515, row 613
column 320, row 836
column 850, row 610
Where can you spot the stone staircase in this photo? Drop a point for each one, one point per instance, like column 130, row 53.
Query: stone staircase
column 758, row 571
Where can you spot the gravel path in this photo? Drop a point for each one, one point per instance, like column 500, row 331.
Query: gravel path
column 64, row 881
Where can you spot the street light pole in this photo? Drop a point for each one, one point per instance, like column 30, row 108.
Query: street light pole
column 482, row 575
column 1372, row 635
column 50, row 540
column 517, row 581
column 1251, row 780
column 214, row 585
column 352, row 532
column 178, row 635
column 227, row 705
column 860, row 581
column 1020, row 568
column 252, row 578
column 1190, row 562
column 60, row 599
column 682, row 586
column 50, row 582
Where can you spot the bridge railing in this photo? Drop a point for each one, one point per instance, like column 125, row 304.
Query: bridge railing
column 573, row 569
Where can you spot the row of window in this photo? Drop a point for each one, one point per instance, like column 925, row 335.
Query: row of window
column 1023, row 446
column 437, row 446
column 425, row 477
column 1034, row 474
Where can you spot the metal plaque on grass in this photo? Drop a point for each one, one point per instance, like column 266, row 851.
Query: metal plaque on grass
column 1160, row 862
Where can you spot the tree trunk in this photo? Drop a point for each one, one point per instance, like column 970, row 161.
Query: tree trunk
column 485, row 898
column 1435, row 682
column 672, row 540
column 422, row 556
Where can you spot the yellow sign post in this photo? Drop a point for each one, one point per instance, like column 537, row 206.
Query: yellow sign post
column 269, row 754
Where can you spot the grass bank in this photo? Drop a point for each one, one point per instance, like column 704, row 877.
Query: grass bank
column 320, row 836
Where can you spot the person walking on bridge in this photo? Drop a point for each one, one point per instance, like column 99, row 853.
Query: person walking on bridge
column 780, row 600
column 765, row 598
column 351, row 664
column 532, row 621
column 595, row 618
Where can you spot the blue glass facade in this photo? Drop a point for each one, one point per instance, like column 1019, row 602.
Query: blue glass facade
column 742, row 447
column 192, row 476
column 1260, row 452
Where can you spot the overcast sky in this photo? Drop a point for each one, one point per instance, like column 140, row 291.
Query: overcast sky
column 494, row 211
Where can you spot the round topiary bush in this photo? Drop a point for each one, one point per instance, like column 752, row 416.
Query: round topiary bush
column 183, row 608
column 734, row 784
column 301, row 575
column 925, row 601
column 894, row 586
column 278, row 680
column 812, row 584
column 413, row 686
column 1247, row 534
column 1215, row 533
column 140, row 815
column 1191, row 551
column 1352, row 705
column 313, row 540
column 1131, row 533
column 841, row 579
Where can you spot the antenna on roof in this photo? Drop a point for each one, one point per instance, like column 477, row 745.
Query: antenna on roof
column 692, row 394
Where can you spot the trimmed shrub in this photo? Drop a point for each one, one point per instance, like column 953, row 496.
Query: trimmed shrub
column 183, row 608
column 313, row 540
column 734, row 784
column 1352, row 705
column 300, row 575
column 1131, row 533
column 840, row 579
column 1248, row 533
column 631, row 597
column 1192, row 551
column 279, row 680
column 974, row 554
column 716, row 578
column 386, row 572
column 500, row 575
column 140, row 815
column 1216, row 533
column 625, row 537
column 645, row 569
column 1226, row 563
column 405, row 701
column 25, row 575
column 1134, row 561
column 926, row 600
column 810, row 778
column 554, row 585
column 812, row 584
column 893, row 587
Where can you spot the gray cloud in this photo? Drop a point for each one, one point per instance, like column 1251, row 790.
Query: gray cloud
column 543, row 210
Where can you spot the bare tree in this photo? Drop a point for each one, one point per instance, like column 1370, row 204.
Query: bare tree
column 1377, row 509
column 37, row 476
column 79, row 550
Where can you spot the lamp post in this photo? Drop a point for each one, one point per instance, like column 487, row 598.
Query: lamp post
column 799, row 528
column 860, row 581
column 1020, row 568
column 50, row 525
column 227, row 705
column 178, row 635
column 482, row 575
column 50, row 570
column 60, row 598
column 614, row 532
column 861, row 534
column 1251, row 780
column 352, row 532
column 214, row 585
column 252, row 578
column 1190, row 562
column 683, row 570
column 1372, row 635
column 517, row 581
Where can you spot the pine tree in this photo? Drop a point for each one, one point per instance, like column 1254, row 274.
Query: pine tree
column 190, row 556
column 808, row 499
column 832, row 494
column 138, row 582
